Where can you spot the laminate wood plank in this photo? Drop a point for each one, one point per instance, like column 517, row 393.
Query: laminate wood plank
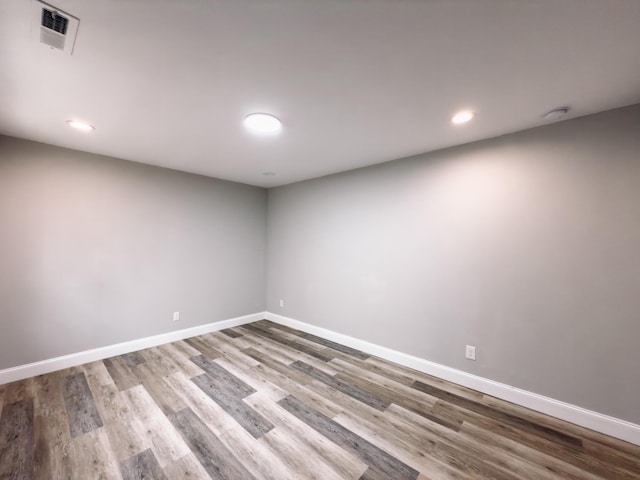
column 212, row 414
column 132, row 359
column 294, row 351
column 240, row 342
column 372, row 474
column 164, row 396
column 373, row 368
column 187, row 350
column 142, row 466
column 51, row 458
column 183, row 362
column 390, row 390
column 272, row 350
column 567, row 454
column 519, row 422
column 369, row 453
column 387, row 367
column 97, row 374
column 609, row 455
column 353, row 391
column 173, row 358
column 393, row 425
column 51, row 428
column 283, row 375
column 248, row 418
column 297, row 341
column 91, row 456
column 275, row 337
column 318, row 340
column 363, row 372
column 187, row 468
column 290, row 353
column 593, row 440
column 18, row 391
column 203, row 347
column 81, row 409
column 157, row 361
column 421, row 406
column 228, row 348
column 216, row 459
column 307, row 396
column 438, row 471
column 424, row 477
column 1, row 400
column 317, row 448
column 537, row 460
column 257, row 382
column 127, row 435
column 164, row 441
column 274, row 364
column 230, row 332
column 255, row 456
column 341, row 400
column 267, row 324
column 420, row 447
column 607, row 448
column 120, row 372
column 395, row 430
column 17, row 441
column 223, row 378
column 297, row 456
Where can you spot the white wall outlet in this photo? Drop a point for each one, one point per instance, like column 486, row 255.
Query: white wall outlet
column 176, row 316
column 470, row 352
column 281, row 303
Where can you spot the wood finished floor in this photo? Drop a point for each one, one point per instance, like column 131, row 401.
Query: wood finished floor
column 266, row 401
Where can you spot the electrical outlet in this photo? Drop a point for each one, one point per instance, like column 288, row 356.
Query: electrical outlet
column 281, row 303
column 176, row 316
column 470, row 352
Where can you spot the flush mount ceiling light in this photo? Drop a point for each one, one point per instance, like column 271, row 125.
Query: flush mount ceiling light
column 555, row 114
column 463, row 116
column 262, row 124
column 85, row 127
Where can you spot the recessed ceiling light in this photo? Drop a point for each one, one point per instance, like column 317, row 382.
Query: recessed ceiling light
column 463, row 117
column 85, row 127
column 262, row 123
column 269, row 174
column 555, row 114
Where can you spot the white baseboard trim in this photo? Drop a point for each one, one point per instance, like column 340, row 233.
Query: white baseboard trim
column 50, row 365
column 608, row 425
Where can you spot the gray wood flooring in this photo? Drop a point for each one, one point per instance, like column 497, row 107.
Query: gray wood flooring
column 264, row 401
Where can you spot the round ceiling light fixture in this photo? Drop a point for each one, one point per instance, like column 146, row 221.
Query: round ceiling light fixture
column 82, row 126
column 463, row 116
column 262, row 123
column 555, row 114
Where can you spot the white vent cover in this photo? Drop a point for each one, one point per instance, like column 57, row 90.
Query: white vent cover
column 53, row 27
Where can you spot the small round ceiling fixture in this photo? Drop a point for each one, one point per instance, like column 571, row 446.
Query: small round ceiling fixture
column 269, row 174
column 556, row 114
column 463, row 116
column 262, row 123
column 85, row 127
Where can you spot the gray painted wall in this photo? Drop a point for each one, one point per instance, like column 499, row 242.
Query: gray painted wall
column 96, row 251
column 526, row 246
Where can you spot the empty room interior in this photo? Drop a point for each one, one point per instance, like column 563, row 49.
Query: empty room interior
column 305, row 239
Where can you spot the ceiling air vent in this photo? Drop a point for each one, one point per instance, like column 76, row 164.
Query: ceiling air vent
column 55, row 28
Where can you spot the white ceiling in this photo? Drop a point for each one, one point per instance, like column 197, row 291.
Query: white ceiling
column 355, row 82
